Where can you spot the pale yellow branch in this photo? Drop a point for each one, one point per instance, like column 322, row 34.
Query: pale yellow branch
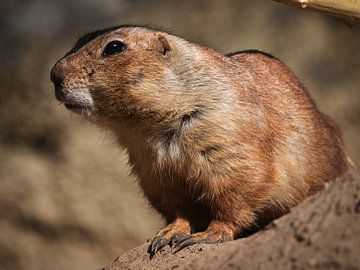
column 346, row 9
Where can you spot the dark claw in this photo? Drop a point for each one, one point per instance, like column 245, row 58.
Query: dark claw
column 158, row 243
column 177, row 238
column 221, row 240
column 181, row 242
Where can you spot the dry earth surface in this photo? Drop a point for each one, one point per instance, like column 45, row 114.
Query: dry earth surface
column 323, row 232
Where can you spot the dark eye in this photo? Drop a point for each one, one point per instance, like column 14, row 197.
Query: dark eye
column 113, row 47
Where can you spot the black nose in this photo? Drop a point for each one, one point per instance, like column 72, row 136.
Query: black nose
column 57, row 79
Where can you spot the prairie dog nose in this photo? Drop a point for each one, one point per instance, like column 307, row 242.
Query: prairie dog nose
column 57, row 77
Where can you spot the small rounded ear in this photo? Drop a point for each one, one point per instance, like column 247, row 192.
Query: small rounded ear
column 163, row 45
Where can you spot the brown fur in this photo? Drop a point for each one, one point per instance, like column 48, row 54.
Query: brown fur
column 220, row 143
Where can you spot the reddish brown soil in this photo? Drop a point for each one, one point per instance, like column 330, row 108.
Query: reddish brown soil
column 321, row 233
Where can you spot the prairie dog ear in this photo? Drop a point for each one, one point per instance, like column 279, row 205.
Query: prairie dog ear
column 163, row 45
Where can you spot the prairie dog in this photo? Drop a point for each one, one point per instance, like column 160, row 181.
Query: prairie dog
column 219, row 143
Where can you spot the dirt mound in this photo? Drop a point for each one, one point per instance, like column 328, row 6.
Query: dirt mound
column 321, row 233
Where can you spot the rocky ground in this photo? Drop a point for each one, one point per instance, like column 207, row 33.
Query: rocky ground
column 323, row 232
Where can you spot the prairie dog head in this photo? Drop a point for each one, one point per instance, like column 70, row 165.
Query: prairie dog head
column 121, row 73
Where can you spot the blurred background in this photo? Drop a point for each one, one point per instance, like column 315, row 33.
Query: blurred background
column 66, row 197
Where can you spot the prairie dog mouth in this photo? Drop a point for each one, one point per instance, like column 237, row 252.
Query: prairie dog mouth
column 77, row 107
column 77, row 100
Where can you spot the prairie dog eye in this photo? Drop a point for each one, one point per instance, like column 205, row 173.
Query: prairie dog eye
column 113, row 47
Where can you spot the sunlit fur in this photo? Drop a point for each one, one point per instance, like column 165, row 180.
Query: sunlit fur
column 219, row 143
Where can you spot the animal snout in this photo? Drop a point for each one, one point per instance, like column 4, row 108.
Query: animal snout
column 57, row 77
